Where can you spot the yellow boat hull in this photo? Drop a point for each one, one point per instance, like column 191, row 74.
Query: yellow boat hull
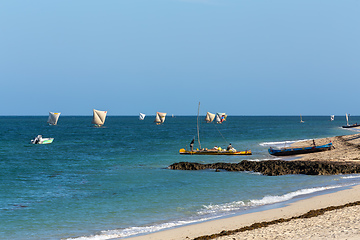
column 214, row 152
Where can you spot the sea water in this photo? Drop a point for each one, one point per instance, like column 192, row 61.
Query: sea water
column 114, row 182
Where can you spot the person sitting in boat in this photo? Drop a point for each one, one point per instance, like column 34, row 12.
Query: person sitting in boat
column 230, row 148
column 192, row 145
column 37, row 139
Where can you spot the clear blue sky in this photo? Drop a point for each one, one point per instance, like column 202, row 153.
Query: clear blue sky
column 241, row 57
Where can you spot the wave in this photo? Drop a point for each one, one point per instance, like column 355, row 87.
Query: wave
column 282, row 143
column 209, row 212
column 351, row 177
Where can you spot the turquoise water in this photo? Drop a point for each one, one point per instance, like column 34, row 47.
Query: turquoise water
column 113, row 181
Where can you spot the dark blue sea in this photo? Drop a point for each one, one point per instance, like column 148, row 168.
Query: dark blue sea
column 113, row 181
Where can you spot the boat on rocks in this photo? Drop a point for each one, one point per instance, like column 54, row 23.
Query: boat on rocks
column 214, row 152
column 300, row 150
column 40, row 140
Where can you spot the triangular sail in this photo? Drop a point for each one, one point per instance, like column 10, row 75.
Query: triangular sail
column 53, row 118
column 347, row 119
column 160, row 118
column 209, row 117
column 141, row 116
column 332, row 117
column 99, row 117
column 220, row 117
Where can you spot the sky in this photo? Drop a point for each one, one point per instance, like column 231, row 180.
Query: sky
column 242, row 57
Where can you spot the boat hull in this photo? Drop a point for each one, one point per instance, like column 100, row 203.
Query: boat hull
column 296, row 151
column 213, row 152
column 352, row 126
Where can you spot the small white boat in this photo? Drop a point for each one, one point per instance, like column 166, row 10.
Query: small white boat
column 40, row 140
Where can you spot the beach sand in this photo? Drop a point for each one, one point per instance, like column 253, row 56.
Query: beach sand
column 342, row 223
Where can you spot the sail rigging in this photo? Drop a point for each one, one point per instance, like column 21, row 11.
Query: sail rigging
column 160, row 118
column 142, row 116
column 99, row 117
column 53, row 118
column 220, row 117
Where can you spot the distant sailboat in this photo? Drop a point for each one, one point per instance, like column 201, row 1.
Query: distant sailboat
column 332, row 117
column 220, row 117
column 209, row 117
column 160, row 118
column 355, row 125
column 142, row 116
column 99, row 117
column 53, row 118
column 301, row 119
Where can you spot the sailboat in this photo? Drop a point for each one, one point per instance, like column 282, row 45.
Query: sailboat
column 141, row 116
column 53, row 118
column 347, row 116
column 98, row 117
column 209, row 117
column 220, row 117
column 160, row 118
column 332, row 117
column 215, row 150
column 301, row 121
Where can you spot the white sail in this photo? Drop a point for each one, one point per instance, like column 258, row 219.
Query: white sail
column 301, row 119
column 220, row 117
column 141, row 116
column 347, row 119
column 209, row 117
column 160, row 118
column 99, row 117
column 332, row 117
column 53, row 118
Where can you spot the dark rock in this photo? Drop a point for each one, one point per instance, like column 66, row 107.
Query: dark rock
column 276, row 167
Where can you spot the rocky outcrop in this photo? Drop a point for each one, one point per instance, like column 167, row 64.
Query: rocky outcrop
column 276, row 167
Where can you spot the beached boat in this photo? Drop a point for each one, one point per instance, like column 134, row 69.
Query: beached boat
column 216, row 150
column 141, row 116
column 303, row 150
column 98, row 117
column 160, row 118
column 40, row 140
column 347, row 116
column 53, row 118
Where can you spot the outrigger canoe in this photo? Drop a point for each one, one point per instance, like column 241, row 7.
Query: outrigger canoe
column 214, row 152
column 304, row 150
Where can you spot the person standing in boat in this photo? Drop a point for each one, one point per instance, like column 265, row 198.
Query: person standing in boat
column 229, row 147
column 192, row 144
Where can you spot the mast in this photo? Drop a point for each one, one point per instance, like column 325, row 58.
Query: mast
column 198, row 126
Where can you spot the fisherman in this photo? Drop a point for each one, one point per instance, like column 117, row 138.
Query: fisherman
column 229, row 147
column 314, row 143
column 192, row 145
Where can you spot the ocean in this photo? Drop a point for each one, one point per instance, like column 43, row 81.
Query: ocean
column 114, row 182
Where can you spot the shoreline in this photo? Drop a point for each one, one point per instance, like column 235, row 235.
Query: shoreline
column 347, row 149
column 293, row 209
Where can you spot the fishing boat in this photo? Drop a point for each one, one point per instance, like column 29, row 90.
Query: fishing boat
column 160, row 118
column 141, row 116
column 98, row 117
column 214, row 151
column 301, row 150
column 347, row 116
column 209, row 117
column 220, row 117
column 301, row 121
column 53, row 118
column 40, row 140
column 332, row 117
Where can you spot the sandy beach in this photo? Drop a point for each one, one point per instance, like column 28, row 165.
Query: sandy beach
column 341, row 223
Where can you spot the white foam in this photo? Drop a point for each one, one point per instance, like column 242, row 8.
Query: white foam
column 282, row 143
column 351, row 176
column 240, row 205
